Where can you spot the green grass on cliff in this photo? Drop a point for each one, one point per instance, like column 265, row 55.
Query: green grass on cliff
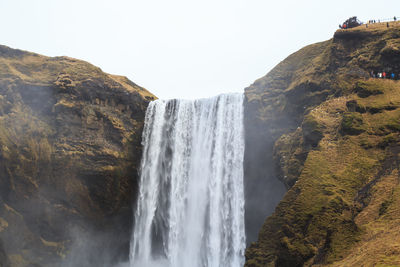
column 340, row 209
column 316, row 217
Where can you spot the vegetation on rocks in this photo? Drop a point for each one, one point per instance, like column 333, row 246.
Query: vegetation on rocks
column 336, row 148
column 69, row 151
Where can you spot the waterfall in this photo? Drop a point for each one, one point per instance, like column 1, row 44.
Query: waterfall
column 190, row 210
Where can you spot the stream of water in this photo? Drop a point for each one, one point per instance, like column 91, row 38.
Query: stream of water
column 190, row 210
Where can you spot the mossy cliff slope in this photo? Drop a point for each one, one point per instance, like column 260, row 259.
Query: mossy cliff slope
column 336, row 144
column 69, row 152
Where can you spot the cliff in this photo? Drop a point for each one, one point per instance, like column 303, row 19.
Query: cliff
column 69, row 152
column 333, row 134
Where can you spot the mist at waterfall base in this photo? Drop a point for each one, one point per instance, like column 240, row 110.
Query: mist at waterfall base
column 190, row 210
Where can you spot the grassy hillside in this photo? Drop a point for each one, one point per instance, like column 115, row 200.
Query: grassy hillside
column 69, row 152
column 336, row 145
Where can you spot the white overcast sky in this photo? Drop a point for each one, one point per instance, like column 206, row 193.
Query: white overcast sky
column 180, row 48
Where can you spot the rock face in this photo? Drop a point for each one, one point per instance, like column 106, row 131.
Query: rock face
column 334, row 136
column 69, row 151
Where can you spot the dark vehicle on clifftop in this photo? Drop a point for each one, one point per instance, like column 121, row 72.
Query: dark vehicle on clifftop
column 351, row 23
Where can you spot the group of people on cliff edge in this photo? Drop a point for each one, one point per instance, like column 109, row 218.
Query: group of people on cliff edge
column 385, row 75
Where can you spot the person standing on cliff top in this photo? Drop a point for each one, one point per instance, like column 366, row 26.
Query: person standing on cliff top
column 394, row 18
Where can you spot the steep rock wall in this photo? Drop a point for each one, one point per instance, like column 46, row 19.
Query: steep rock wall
column 69, row 151
column 333, row 135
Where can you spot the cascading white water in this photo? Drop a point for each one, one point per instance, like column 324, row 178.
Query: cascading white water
column 190, row 210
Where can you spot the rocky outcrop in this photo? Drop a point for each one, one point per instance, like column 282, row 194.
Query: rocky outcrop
column 69, row 152
column 333, row 135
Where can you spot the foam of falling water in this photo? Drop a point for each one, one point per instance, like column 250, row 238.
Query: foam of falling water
column 190, row 210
